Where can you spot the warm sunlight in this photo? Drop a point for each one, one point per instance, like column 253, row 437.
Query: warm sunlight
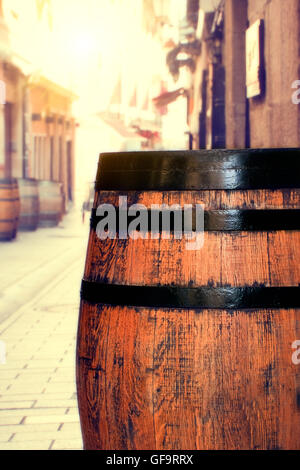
column 149, row 227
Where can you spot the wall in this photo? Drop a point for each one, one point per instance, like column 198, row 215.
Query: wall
column 235, row 64
column 51, row 154
column 274, row 119
column 2, row 131
column 270, row 120
column 11, row 160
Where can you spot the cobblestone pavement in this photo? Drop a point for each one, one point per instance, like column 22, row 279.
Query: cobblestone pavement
column 38, row 404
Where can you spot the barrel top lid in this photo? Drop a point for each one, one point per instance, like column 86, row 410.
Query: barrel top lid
column 199, row 169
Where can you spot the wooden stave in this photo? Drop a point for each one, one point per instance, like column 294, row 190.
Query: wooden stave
column 92, row 353
column 83, row 358
column 50, row 197
column 29, row 196
column 146, row 404
column 125, row 270
column 10, row 208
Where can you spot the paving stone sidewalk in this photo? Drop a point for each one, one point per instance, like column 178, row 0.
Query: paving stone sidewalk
column 38, row 404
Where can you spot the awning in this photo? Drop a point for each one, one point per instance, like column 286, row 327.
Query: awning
column 119, row 127
column 147, row 133
column 166, row 98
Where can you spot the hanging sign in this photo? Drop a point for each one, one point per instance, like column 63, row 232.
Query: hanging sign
column 254, row 59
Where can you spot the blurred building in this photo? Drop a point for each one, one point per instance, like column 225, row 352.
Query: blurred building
column 137, row 77
column 121, row 109
column 51, row 134
column 36, row 122
column 143, row 31
column 243, row 85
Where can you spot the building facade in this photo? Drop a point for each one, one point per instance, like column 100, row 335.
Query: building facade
column 143, row 34
column 37, row 126
column 245, row 84
column 50, row 136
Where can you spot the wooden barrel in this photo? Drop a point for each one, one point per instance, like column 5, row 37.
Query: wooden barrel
column 30, row 206
column 196, row 349
column 9, row 208
column 51, row 202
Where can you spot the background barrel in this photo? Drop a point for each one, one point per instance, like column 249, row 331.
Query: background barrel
column 51, row 203
column 30, row 206
column 17, row 205
column 193, row 349
column 9, row 208
column 63, row 203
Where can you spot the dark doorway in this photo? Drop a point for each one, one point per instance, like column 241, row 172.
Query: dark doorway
column 247, row 125
column 202, row 114
column 70, row 170
column 218, row 107
column 61, row 161
column 52, row 158
column 8, row 139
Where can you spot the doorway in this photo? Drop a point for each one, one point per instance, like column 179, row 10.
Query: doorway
column 8, row 139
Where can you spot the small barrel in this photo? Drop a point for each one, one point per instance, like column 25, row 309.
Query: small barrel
column 30, row 206
column 186, row 346
column 9, row 208
column 51, row 202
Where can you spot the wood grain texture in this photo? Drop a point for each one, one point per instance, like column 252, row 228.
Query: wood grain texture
column 213, row 199
column 171, row 379
column 163, row 379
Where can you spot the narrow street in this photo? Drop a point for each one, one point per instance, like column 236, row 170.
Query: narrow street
column 189, row 109
column 39, row 300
